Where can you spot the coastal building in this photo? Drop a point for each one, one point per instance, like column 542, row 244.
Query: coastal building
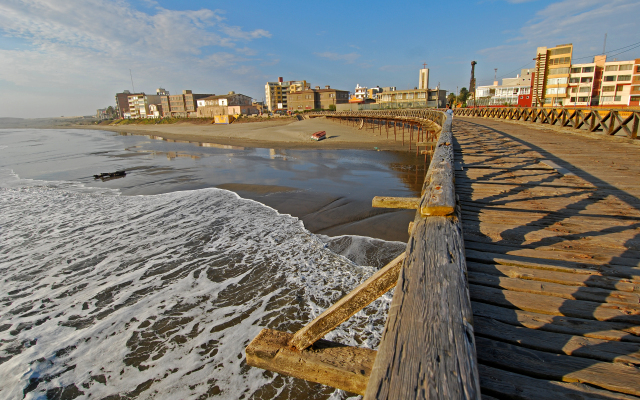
column 122, row 104
column 229, row 104
column 617, row 79
column 313, row 99
column 277, row 93
column 103, row 113
column 155, row 111
column 585, row 81
column 513, row 91
column 634, row 100
column 551, row 83
column 182, row 105
column 139, row 104
column 412, row 98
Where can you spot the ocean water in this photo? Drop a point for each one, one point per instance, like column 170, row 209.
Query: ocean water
column 113, row 296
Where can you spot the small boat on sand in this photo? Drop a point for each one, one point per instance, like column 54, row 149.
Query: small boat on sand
column 319, row 135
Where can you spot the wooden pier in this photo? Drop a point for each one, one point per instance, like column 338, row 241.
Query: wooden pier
column 539, row 299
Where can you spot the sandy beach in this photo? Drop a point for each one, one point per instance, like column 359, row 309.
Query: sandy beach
column 276, row 133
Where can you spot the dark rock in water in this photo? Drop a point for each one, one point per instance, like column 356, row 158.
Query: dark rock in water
column 110, row 175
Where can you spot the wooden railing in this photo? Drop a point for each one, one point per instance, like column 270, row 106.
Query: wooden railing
column 610, row 122
column 427, row 348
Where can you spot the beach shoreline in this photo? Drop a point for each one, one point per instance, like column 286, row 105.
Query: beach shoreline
column 267, row 134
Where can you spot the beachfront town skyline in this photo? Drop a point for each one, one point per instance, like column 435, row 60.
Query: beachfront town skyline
column 556, row 79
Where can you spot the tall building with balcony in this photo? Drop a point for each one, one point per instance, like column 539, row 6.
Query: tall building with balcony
column 617, row 79
column 551, row 79
column 277, row 93
column 139, row 105
column 310, row 99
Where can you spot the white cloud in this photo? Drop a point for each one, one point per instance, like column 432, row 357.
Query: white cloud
column 348, row 58
column 582, row 23
column 88, row 46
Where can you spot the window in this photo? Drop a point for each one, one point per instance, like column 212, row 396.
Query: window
column 635, row 98
column 625, row 67
column 617, row 98
column 636, row 78
column 609, row 68
column 583, row 99
column 574, row 90
column 556, row 81
column 576, row 70
column 556, row 91
column 608, row 88
column 585, row 89
column 609, row 78
column 586, row 79
column 624, row 78
column 558, row 71
column 547, row 101
column 561, row 50
column 409, row 96
column 574, row 80
column 572, row 99
column 422, row 95
column 635, row 88
column 619, row 88
column 637, row 69
column 606, row 98
column 587, row 69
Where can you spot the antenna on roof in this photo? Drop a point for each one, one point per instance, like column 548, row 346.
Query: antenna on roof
column 130, row 74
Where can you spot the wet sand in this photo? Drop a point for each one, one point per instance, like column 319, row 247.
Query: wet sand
column 321, row 212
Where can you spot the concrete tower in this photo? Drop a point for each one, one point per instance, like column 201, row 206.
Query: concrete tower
column 424, row 78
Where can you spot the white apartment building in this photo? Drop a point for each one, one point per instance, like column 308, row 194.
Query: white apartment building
column 361, row 92
column 508, row 92
column 583, row 88
column 616, row 83
column 139, row 105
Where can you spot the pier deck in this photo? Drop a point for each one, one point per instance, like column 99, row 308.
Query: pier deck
column 552, row 234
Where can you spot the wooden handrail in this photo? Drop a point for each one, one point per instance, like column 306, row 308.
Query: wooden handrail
column 608, row 121
column 428, row 345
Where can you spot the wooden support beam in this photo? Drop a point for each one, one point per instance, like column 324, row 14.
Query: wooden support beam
column 329, row 363
column 411, row 203
column 428, row 348
column 374, row 287
column 424, row 144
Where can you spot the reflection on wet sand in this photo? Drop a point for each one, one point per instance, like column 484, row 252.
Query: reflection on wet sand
column 200, row 144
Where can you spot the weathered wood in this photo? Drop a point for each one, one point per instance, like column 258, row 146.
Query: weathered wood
column 564, row 278
column 516, row 386
column 329, row 363
column 559, row 343
column 555, row 305
column 438, row 193
column 374, row 287
column 424, row 144
column 411, row 203
column 614, row 331
column 427, row 348
column 627, row 300
column 610, row 376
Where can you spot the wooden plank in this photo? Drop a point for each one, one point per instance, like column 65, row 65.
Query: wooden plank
column 559, row 343
column 377, row 285
column 629, row 300
column 615, row 331
column 427, row 348
column 610, row 376
column 423, row 144
column 580, row 267
column 329, row 363
column 411, row 203
column 516, row 386
column 605, row 282
column 554, row 305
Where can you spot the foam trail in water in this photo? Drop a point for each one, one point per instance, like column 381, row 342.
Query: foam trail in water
column 157, row 296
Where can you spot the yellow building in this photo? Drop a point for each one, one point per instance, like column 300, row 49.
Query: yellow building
column 551, row 80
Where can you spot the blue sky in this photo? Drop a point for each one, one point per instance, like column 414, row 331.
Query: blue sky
column 69, row 57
